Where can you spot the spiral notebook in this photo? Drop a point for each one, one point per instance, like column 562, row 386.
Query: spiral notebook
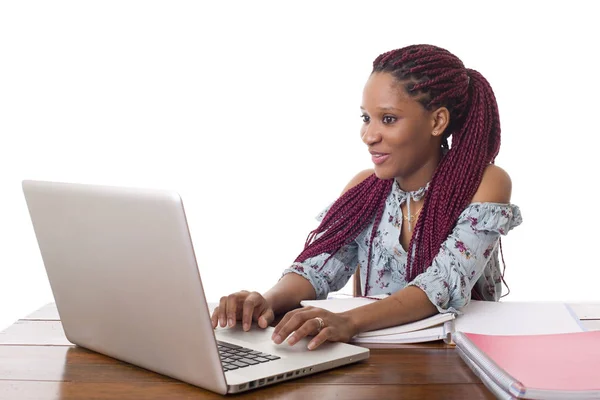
column 552, row 366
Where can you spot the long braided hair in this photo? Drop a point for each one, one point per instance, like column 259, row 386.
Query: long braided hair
column 434, row 77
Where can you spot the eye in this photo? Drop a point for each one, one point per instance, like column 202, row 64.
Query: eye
column 388, row 119
column 365, row 118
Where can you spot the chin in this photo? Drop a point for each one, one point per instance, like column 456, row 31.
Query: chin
column 384, row 173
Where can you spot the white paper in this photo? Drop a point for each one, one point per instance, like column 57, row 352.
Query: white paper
column 517, row 318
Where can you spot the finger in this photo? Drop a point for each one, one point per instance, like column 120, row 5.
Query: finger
column 321, row 338
column 266, row 318
column 281, row 324
column 215, row 317
column 261, row 309
column 286, row 319
column 310, row 327
column 222, row 310
column 232, row 301
column 294, row 322
column 249, row 305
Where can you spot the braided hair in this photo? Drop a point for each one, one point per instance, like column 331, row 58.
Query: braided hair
column 435, row 78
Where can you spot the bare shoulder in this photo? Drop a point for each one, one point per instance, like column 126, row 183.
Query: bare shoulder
column 495, row 186
column 358, row 178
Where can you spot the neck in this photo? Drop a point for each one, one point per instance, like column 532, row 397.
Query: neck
column 421, row 175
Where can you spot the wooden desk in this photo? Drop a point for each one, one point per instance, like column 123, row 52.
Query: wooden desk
column 37, row 362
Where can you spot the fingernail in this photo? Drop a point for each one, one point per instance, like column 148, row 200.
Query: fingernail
column 246, row 326
column 277, row 339
column 311, row 345
column 222, row 322
column 291, row 340
column 230, row 322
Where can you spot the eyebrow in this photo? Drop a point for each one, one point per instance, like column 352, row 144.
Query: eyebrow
column 385, row 109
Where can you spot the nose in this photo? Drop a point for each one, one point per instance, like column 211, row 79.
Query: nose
column 370, row 134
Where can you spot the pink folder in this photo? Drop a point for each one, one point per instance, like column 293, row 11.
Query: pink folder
column 534, row 366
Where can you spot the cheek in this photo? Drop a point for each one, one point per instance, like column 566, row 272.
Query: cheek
column 400, row 135
column 407, row 133
column 363, row 129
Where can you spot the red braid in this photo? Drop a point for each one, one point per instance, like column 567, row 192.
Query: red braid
column 435, row 78
column 348, row 217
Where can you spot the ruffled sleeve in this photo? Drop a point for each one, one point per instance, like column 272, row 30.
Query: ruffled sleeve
column 330, row 276
column 465, row 254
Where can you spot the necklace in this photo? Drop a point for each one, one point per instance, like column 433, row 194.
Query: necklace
column 415, row 195
column 411, row 218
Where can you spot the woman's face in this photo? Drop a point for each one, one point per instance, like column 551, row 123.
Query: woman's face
column 397, row 129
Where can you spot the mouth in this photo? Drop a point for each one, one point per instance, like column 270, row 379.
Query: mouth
column 378, row 158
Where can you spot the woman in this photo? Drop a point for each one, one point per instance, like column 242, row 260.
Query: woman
column 423, row 226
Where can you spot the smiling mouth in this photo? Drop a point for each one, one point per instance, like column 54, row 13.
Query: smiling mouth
column 379, row 158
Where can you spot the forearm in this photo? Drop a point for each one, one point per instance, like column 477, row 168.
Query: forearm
column 288, row 292
column 407, row 305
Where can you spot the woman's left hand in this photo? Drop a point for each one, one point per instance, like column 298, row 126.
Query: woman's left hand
column 324, row 325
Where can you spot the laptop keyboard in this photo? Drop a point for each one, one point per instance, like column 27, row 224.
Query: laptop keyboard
column 234, row 357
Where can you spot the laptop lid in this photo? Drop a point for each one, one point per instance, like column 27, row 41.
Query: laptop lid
column 123, row 273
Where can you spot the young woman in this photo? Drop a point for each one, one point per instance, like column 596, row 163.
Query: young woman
column 423, row 226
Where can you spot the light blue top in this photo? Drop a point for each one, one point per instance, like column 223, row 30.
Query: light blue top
column 467, row 259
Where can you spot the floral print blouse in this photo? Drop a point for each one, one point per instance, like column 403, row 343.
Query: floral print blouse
column 467, row 260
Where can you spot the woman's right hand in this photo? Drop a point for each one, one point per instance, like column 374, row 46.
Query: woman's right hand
column 245, row 306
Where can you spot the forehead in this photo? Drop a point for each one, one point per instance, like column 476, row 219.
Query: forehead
column 384, row 87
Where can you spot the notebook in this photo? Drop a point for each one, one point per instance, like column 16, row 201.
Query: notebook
column 508, row 318
column 552, row 366
column 436, row 327
column 123, row 273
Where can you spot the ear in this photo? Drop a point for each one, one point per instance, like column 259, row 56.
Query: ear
column 440, row 119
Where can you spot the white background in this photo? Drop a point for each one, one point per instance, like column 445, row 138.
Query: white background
column 251, row 111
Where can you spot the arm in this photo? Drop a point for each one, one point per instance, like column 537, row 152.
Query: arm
column 288, row 292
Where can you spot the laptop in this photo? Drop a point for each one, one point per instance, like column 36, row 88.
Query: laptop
column 123, row 273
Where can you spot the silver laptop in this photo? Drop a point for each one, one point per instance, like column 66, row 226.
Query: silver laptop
column 124, row 276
